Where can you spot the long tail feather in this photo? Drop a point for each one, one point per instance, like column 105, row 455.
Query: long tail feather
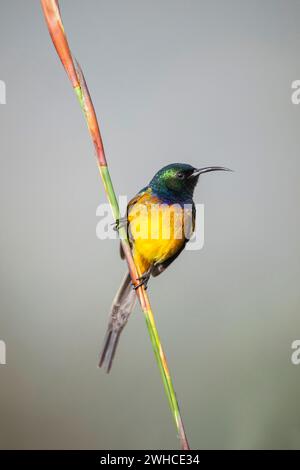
column 121, row 309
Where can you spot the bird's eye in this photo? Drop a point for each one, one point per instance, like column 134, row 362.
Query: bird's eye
column 180, row 175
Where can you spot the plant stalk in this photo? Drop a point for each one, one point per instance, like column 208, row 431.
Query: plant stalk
column 57, row 33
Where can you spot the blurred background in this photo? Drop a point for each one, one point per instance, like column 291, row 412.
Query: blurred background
column 202, row 82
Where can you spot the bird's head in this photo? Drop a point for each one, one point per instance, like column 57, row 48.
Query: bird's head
column 179, row 179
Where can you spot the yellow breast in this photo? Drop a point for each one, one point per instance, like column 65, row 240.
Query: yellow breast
column 156, row 231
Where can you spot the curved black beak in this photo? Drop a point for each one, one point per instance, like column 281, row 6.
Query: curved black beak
column 207, row 169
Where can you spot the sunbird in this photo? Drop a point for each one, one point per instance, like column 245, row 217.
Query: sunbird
column 160, row 220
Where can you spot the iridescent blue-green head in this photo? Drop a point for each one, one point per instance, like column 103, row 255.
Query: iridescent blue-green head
column 177, row 181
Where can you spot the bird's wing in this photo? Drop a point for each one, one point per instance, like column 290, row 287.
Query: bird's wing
column 160, row 267
column 189, row 221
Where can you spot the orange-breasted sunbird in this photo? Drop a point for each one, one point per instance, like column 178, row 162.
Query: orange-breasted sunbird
column 160, row 220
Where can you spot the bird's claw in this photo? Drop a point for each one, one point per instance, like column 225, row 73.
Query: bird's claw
column 143, row 281
column 122, row 222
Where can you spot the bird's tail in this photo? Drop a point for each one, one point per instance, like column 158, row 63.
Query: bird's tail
column 121, row 309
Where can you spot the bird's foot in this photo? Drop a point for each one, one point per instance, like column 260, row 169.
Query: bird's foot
column 122, row 222
column 144, row 278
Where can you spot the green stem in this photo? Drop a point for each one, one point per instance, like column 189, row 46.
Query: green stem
column 52, row 15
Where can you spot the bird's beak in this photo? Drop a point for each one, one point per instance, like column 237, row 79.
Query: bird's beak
column 207, row 169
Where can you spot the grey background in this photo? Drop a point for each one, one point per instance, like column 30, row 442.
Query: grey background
column 204, row 82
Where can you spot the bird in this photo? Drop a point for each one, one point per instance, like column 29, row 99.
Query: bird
column 160, row 220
